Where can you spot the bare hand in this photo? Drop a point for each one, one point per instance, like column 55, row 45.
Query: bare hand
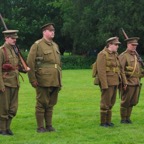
column 3, row 90
column 125, row 87
column 34, row 84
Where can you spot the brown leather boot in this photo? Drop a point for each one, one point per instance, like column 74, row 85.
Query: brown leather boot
column 129, row 111
column 3, row 127
column 8, row 130
column 123, row 113
column 49, row 128
column 108, row 118
column 48, row 120
column 103, row 115
column 40, row 122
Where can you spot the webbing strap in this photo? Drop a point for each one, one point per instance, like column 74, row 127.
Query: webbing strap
column 135, row 60
column 113, row 69
column 6, row 55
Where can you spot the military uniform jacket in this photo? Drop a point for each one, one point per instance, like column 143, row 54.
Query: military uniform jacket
column 131, row 66
column 109, row 69
column 8, row 77
column 44, row 62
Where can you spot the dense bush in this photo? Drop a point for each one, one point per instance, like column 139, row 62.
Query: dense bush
column 72, row 61
column 77, row 62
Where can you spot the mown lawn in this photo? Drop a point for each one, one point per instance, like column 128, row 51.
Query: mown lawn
column 76, row 116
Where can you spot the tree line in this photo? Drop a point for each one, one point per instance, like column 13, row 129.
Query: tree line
column 82, row 26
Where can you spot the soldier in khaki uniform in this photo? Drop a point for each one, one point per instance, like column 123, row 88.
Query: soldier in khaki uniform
column 9, row 82
column 129, row 60
column 45, row 76
column 109, row 75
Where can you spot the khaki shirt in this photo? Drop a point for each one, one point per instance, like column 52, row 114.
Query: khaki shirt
column 109, row 69
column 130, row 65
column 44, row 62
column 8, row 78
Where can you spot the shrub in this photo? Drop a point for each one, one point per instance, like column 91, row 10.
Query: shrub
column 72, row 61
column 77, row 62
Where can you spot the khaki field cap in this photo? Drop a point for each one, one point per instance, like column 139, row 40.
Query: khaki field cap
column 113, row 40
column 48, row 26
column 11, row 33
column 132, row 40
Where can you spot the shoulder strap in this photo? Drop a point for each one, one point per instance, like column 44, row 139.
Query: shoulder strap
column 106, row 53
column 134, row 65
column 6, row 55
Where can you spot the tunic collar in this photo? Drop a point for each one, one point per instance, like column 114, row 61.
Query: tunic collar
column 131, row 52
column 110, row 52
column 47, row 42
column 7, row 46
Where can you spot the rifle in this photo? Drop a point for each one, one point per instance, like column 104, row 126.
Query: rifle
column 138, row 56
column 25, row 67
column 140, row 60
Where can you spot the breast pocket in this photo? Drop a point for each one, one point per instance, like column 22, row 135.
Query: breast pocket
column 13, row 60
column 111, row 62
column 48, row 55
column 132, row 62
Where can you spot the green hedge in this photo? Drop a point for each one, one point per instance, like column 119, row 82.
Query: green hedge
column 72, row 61
column 77, row 62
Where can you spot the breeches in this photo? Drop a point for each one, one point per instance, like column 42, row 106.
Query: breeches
column 108, row 98
column 130, row 96
column 46, row 98
column 8, row 102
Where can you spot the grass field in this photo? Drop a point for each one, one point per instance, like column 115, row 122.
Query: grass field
column 76, row 116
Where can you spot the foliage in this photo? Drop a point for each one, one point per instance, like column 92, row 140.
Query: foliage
column 76, row 116
column 90, row 24
column 77, row 62
column 72, row 61
column 29, row 16
column 81, row 25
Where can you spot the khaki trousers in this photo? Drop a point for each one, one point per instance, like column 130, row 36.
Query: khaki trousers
column 128, row 100
column 8, row 102
column 8, row 106
column 108, row 98
column 45, row 100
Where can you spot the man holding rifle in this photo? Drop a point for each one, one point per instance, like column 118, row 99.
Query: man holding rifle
column 9, row 82
column 129, row 60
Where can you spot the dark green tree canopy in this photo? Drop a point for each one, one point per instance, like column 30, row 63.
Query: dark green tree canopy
column 81, row 25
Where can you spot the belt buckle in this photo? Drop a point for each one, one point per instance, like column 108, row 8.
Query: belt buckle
column 56, row 66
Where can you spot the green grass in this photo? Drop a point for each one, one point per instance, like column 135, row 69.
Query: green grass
column 76, row 116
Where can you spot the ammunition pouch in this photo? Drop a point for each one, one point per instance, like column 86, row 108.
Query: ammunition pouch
column 137, row 75
column 94, row 69
column 96, row 81
column 129, row 68
column 113, row 69
column 129, row 72
column 7, row 67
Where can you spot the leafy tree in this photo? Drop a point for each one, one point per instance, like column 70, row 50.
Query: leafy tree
column 82, row 26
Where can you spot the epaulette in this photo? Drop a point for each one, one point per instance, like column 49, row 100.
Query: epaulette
column 1, row 47
column 38, row 41
column 123, row 53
